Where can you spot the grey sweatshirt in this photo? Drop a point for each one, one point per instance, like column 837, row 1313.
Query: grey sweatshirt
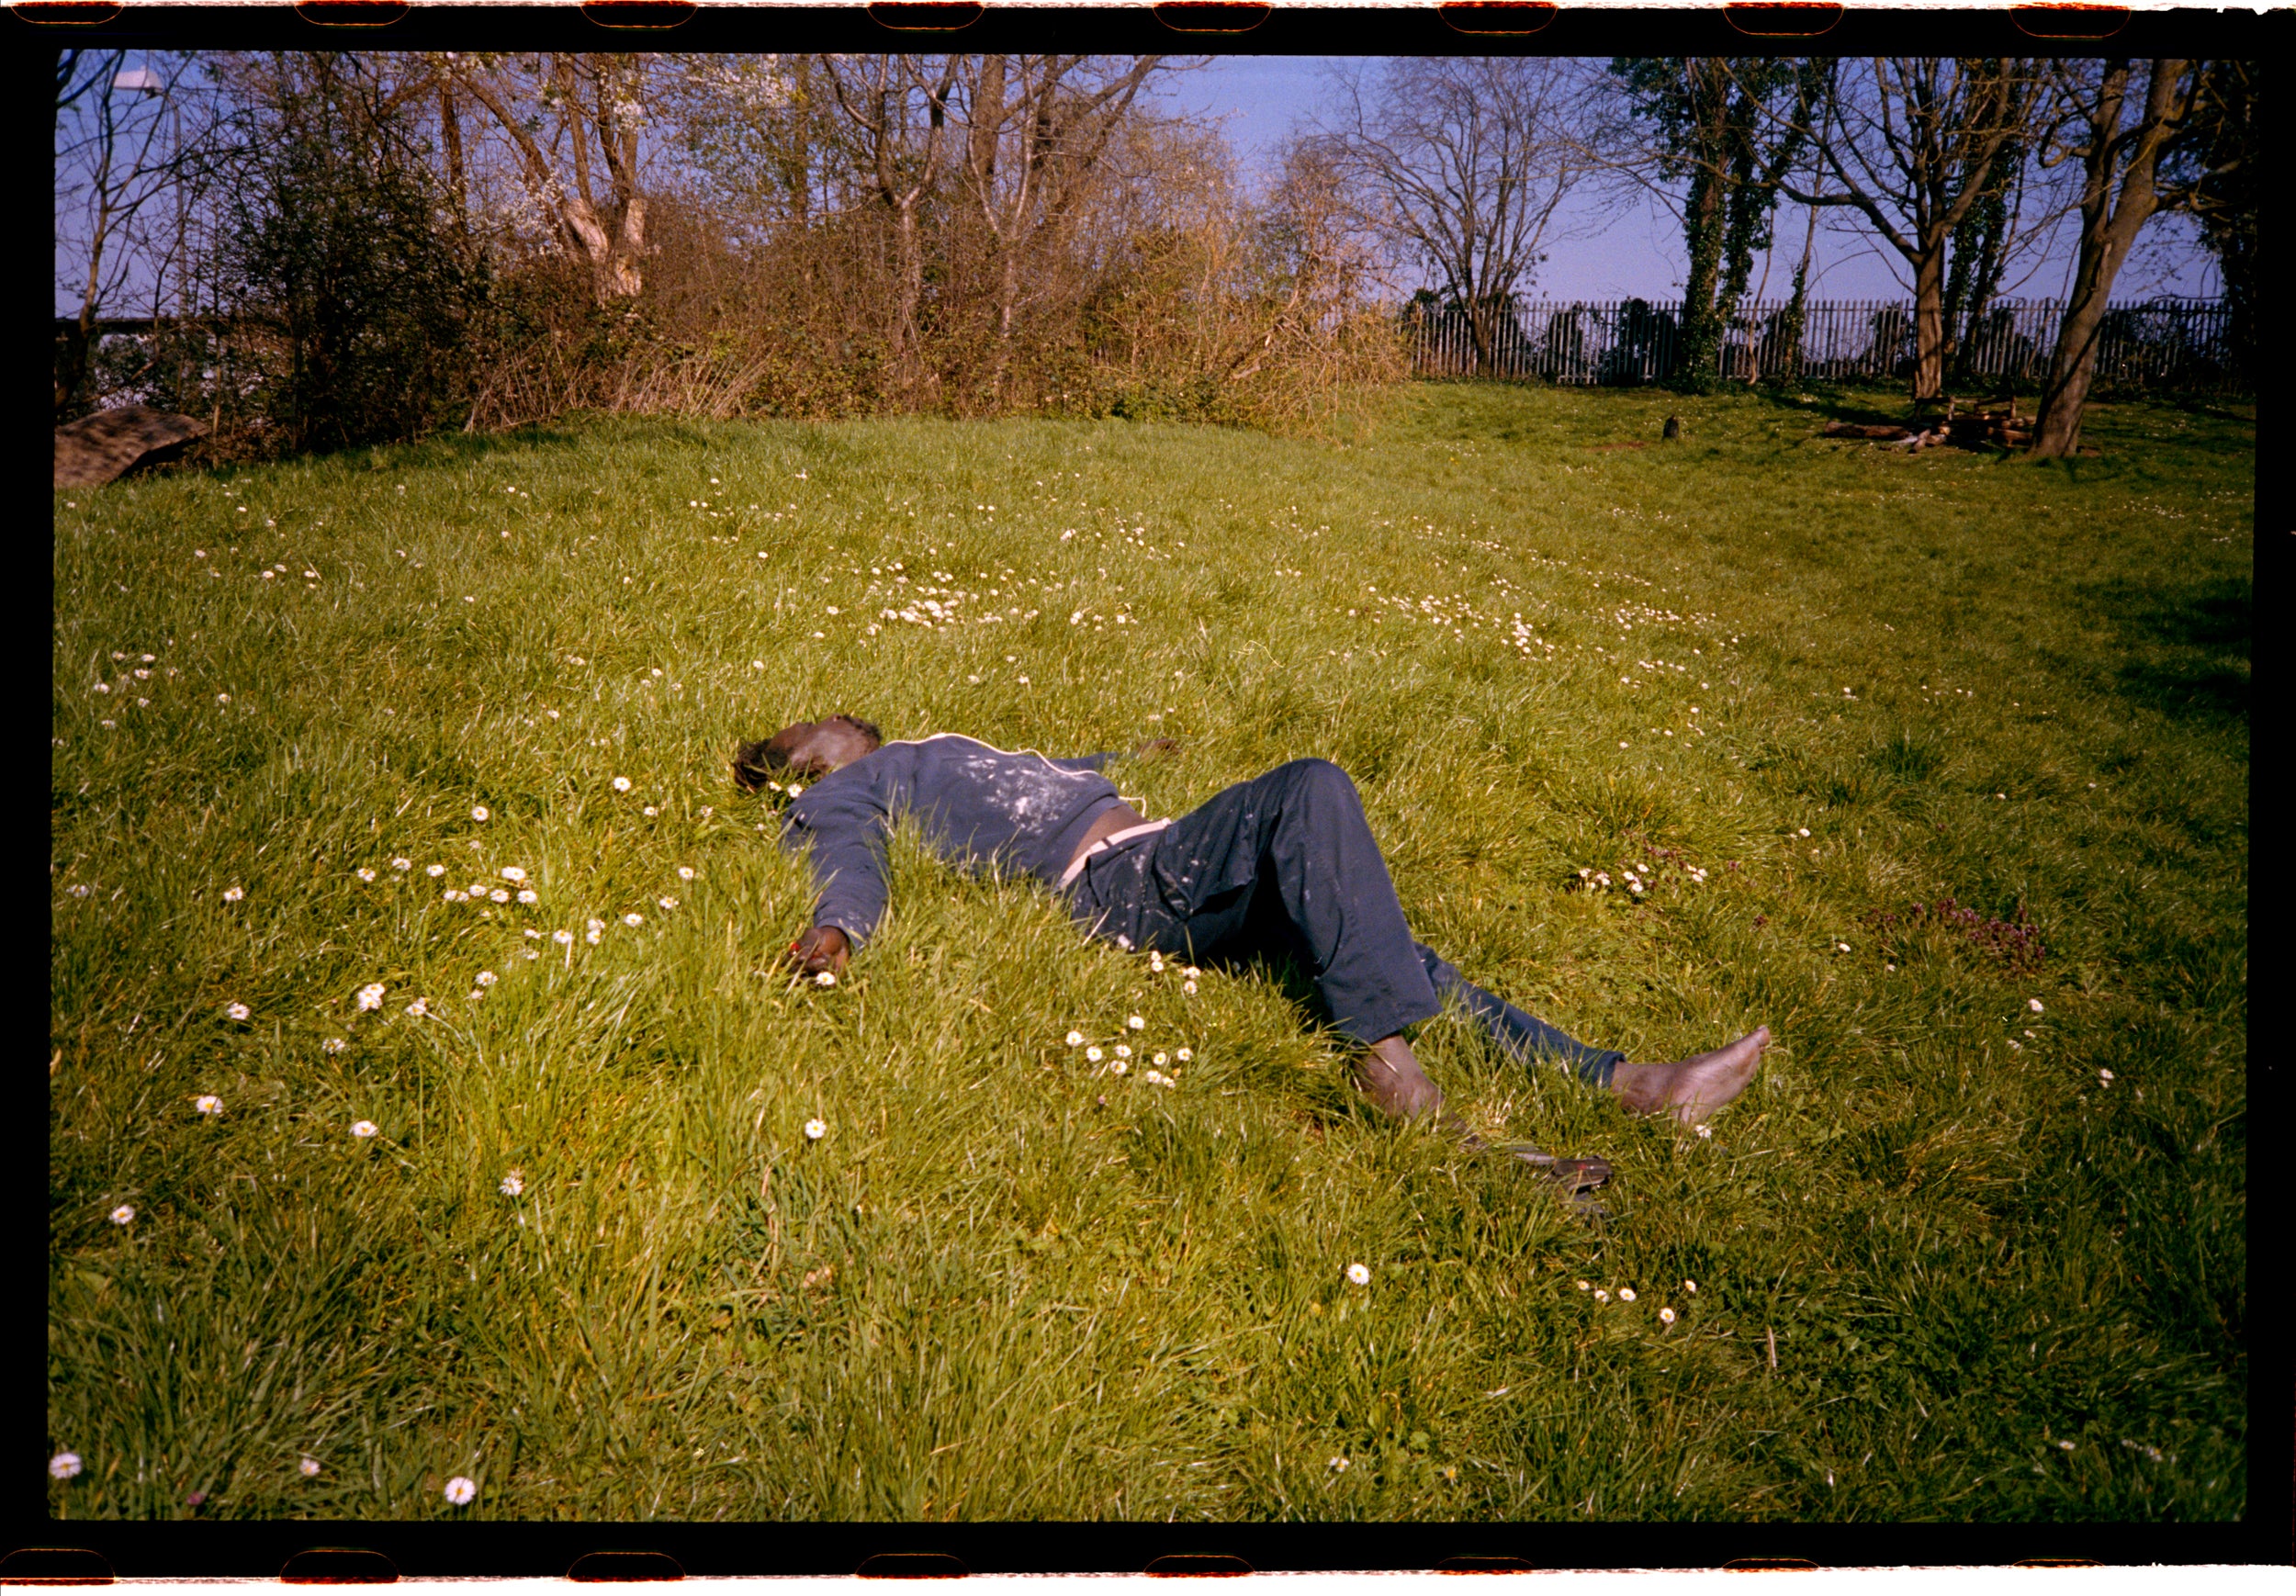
column 979, row 807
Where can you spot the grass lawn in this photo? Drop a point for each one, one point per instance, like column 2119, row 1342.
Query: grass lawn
column 1970, row 1248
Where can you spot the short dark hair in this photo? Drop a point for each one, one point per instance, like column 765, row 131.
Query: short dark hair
column 754, row 763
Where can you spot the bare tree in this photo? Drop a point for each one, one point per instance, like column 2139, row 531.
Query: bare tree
column 574, row 118
column 764, row 135
column 122, row 146
column 2120, row 138
column 1461, row 164
column 898, row 109
column 1036, row 128
column 1910, row 142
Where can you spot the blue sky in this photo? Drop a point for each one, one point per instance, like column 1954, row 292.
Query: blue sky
column 1260, row 99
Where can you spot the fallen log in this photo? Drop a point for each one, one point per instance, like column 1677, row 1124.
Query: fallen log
column 95, row 449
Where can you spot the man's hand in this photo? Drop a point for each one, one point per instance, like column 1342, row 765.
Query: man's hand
column 822, row 947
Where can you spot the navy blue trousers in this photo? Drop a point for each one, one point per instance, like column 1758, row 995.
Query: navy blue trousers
column 1285, row 864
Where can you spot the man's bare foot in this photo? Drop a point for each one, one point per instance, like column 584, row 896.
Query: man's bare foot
column 1695, row 1087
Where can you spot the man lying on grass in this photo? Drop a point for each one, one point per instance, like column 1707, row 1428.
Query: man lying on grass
column 1285, row 864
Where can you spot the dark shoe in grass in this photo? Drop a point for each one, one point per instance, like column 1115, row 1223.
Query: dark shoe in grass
column 1573, row 1175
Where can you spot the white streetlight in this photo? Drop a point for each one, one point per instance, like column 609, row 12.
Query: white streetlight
column 142, row 81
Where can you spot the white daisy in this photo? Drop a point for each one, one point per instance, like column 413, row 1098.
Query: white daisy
column 528, row 895
column 1626, row 1294
column 633, row 919
column 419, row 1007
column 460, row 1490
column 1184, row 1055
column 815, row 1130
column 563, row 939
column 826, row 978
column 1076, row 1039
column 513, row 873
column 208, row 1103
column 333, row 1044
column 513, row 1183
column 236, row 1010
column 435, row 870
column 234, row 894
column 394, row 864
column 685, row 872
column 478, row 811
column 1359, row 1274
column 64, row 1465
column 485, row 977
column 122, row 1215
column 363, row 1128
column 371, row 996
column 1136, row 1023
column 308, row 1467
column 622, row 783
column 1666, row 1315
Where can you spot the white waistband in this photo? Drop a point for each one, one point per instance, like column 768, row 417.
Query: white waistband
column 1076, row 865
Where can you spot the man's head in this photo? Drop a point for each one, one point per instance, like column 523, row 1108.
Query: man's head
column 809, row 748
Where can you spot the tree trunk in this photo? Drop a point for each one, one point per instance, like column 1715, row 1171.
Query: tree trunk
column 2108, row 232
column 1702, row 225
column 2072, row 366
column 908, row 293
column 450, row 137
column 1928, row 324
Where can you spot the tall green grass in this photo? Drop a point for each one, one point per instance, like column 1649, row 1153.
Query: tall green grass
column 1945, row 1268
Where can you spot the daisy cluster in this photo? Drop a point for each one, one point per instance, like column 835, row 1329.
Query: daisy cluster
column 1118, row 1054
column 1460, row 612
column 131, row 677
column 1627, row 1295
column 1662, row 864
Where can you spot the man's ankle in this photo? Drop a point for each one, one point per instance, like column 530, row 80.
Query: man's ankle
column 1642, row 1087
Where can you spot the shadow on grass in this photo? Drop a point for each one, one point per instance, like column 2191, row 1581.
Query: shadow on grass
column 2188, row 646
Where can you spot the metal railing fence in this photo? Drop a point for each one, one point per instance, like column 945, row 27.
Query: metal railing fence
column 2160, row 343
